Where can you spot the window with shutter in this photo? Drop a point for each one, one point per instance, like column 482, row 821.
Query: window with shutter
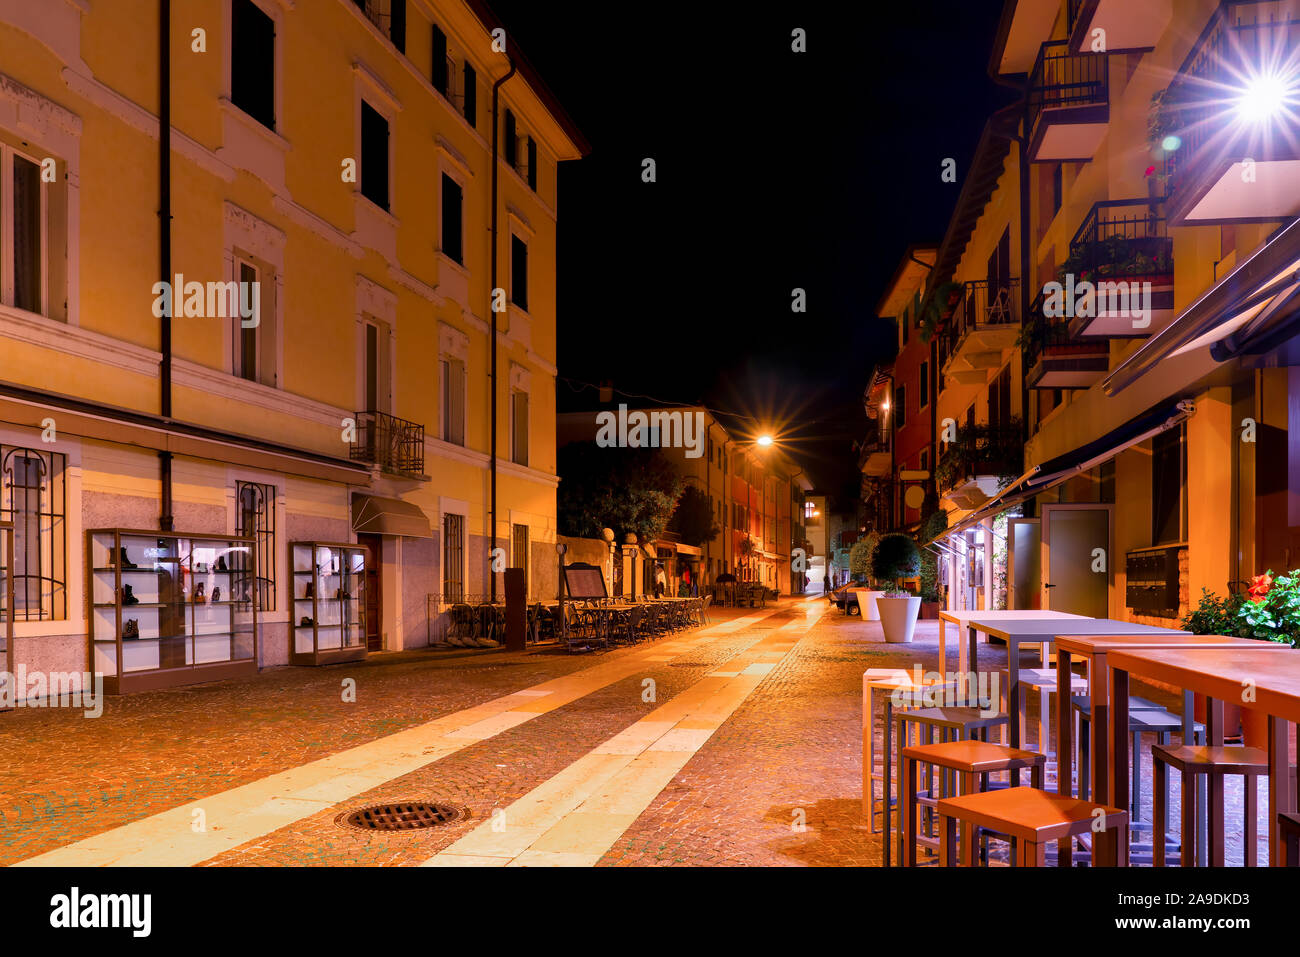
column 397, row 25
column 374, row 156
column 512, row 140
column 519, row 428
column 471, row 95
column 439, row 76
column 519, row 272
column 453, row 401
column 452, row 229
column 532, row 164
column 252, row 61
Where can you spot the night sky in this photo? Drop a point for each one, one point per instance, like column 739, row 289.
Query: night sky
column 775, row 170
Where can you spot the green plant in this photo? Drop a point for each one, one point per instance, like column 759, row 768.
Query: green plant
column 934, row 523
column 694, row 519
column 896, row 556
column 1214, row 615
column 937, row 307
column 860, row 560
column 1271, row 612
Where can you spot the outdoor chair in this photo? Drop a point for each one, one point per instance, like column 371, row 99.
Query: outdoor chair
column 1034, row 818
column 705, row 617
column 1194, row 761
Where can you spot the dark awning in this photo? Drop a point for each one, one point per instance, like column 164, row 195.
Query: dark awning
column 1249, row 303
column 1064, row 467
column 373, row 515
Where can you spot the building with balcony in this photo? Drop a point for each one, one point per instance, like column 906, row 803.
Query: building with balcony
column 758, row 495
column 1155, row 374
column 327, row 365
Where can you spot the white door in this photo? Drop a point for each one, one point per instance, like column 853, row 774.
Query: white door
column 1077, row 557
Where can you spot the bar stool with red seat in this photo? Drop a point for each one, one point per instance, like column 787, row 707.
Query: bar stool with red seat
column 1211, row 761
column 969, row 760
column 1034, row 818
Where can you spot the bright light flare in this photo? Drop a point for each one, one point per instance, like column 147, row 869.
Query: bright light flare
column 1263, row 98
column 765, row 440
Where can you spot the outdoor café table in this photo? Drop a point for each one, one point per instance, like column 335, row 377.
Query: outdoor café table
column 886, row 681
column 1220, row 674
column 1093, row 649
column 960, row 617
column 1036, row 632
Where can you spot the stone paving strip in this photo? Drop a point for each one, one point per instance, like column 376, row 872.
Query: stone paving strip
column 577, row 816
column 248, row 812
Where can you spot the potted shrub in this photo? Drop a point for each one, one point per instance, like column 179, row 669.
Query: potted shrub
column 860, row 566
column 897, row 557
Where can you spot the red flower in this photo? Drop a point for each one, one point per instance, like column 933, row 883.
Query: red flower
column 1259, row 586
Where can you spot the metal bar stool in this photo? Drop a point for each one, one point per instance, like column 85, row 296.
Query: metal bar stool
column 1193, row 761
column 949, row 724
column 972, row 762
column 1034, row 819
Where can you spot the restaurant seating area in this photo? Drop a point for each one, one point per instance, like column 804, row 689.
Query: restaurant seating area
column 1105, row 762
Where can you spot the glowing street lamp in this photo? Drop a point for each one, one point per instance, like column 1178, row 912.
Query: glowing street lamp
column 1263, row 98
column 764, row 440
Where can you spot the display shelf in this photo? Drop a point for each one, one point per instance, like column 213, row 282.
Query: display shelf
column 7, row 687
column 166, row 638
column 341, row 636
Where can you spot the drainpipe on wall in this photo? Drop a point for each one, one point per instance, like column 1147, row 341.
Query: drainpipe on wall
column 496, row 138
column 165, row 518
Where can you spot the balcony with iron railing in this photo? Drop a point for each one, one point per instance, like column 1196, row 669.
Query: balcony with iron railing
column 1227, row 128
column 875, row 452
column 1123, row 250
column 1068, row 104
column 979, row 461
column 392, row 444
column 1057, row 359
column 983, row 325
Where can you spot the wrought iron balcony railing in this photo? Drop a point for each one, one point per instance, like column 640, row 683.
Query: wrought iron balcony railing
column 393, row 444
column 982, row 306
column 981, row 450
column 1064, row 79
column 1121, row 238
column 1243, row 39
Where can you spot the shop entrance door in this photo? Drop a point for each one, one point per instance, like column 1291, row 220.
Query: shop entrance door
column 374, row 591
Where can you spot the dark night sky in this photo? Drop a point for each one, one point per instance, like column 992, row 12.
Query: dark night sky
column 776, row 170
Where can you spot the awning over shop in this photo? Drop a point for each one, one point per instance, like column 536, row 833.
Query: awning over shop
column 1247, row 310
column 690, row 550
column 1053, row 472
column 373, row 515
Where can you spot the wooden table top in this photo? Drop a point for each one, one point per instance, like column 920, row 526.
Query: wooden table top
column 1222, row 673
column 1092, row 644
column 1028, row 614
column 1047, row 629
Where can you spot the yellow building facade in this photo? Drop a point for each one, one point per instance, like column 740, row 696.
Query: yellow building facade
column 1155, row 431
column 339, row 156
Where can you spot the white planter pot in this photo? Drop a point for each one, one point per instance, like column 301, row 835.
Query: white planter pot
column 898, row 618
column 867, row 604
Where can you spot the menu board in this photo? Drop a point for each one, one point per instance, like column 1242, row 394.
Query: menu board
column 584, row 581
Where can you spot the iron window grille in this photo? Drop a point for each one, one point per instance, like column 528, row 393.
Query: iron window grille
column 33, row 499
column 453, row 557
column 255, row 519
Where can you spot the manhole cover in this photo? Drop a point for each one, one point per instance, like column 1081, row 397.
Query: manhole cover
column 408, row 816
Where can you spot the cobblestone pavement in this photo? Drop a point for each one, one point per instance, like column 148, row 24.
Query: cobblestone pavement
column 64, row 777
column 779, row 783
